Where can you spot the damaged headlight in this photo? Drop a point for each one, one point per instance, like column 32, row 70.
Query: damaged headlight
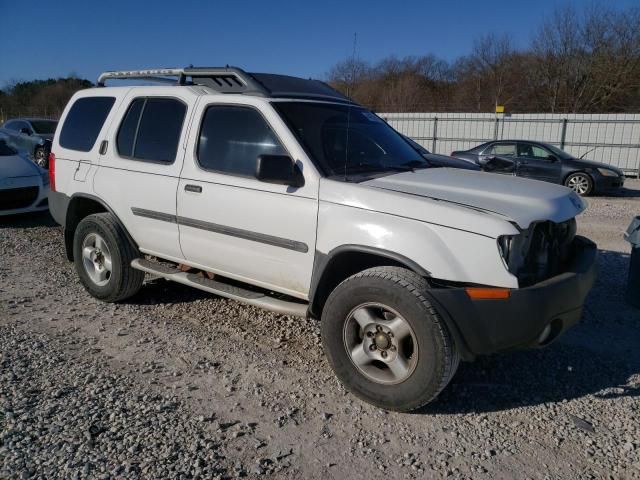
column 504, row 246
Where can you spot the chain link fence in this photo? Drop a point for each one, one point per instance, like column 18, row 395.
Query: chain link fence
column 613, row 139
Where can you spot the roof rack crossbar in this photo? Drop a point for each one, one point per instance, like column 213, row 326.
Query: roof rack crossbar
column 221, row 79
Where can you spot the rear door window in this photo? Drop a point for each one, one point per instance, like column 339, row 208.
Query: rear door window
column 151, row 130
column 84, row 122
column 503, row 149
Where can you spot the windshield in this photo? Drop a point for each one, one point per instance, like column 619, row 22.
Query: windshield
column 557, row 152
column 6, row 150
column 346, row 140
column 44, row 127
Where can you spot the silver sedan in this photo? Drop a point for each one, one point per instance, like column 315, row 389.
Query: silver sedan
column 24, row 186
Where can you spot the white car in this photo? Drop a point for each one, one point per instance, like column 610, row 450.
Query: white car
column 24, row 186
column 291, row 197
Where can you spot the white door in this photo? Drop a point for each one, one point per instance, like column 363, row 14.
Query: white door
column 139, row 171
column 233, row 224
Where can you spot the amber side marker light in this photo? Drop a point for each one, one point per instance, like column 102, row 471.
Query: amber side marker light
column 478, row 293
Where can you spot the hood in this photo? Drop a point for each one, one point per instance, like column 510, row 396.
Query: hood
column 520, row 200
column 592, row 164
column 17, row 166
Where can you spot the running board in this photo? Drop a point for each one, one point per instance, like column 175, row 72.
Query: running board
column 257, row 299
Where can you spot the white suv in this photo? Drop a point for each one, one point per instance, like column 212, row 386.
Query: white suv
column 281, row 193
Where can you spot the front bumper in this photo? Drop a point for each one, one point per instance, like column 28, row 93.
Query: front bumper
column 603, row 184
column 489, row 326
column 24, row 195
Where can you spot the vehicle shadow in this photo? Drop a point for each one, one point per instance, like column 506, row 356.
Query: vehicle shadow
column 599, row 356
column 28, row 220
column 624, row 192
column 159, row 291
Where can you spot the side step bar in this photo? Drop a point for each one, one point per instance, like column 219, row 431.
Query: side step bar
column 257, row 299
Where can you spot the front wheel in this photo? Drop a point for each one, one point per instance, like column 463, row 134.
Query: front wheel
column 385, row 341
column 581, row 183
column 41, row 157
column 102, row 254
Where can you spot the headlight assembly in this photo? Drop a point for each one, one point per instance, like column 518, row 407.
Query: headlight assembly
column 607, row 173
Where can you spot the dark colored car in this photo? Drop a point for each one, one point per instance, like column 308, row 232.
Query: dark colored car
column 436, row 160
column 32, row 136
column 541, row 161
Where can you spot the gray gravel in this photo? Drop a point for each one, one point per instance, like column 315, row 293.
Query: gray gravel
column 176, row 383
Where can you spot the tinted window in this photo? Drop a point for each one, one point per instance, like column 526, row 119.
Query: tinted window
column 231, row 138
column 84, row 122
column 127, row 132
column 348, row 140
column 528, row 150
column 44, row 127
column 503, row 149
column 12, row 126
column 158, row 132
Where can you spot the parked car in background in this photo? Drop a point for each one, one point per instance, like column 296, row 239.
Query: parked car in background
column 542, row 161
column 436, row 160
column 24, row 186
column 32, row 136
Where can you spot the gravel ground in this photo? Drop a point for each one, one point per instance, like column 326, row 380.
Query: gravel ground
column 176, row 383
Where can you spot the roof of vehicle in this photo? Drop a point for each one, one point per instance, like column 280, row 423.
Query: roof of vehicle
column 233, row 80
column 29, row 119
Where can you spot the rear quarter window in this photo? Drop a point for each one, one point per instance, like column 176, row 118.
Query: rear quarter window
column 84, row 121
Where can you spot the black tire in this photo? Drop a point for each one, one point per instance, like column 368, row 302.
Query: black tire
column 123, row 281
column 580, row 182
column 404, row 292
column 41, row 157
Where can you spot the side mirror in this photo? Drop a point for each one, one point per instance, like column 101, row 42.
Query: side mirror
column 552, row 158
column 25, row 131
column 279, row 169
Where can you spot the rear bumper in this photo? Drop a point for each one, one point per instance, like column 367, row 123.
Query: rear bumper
column 489, row 326
column 58, row 205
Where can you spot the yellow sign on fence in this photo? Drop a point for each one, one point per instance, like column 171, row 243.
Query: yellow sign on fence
column 499, row 108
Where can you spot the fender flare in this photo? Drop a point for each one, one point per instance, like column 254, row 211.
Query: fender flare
column 322, row 261
column 69, row 233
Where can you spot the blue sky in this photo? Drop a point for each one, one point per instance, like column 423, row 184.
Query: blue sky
column 51, row 38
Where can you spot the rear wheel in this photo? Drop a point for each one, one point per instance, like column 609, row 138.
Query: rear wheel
column 385, row 341
column 102, row 255
column 580, row 182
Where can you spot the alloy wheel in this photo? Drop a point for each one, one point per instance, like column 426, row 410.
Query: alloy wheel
column 380, row 343
column 96, row 258
column 579, row 184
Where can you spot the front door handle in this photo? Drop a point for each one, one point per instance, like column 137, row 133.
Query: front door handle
column 193, row 188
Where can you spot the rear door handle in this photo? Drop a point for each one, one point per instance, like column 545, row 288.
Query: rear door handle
column 193, row 188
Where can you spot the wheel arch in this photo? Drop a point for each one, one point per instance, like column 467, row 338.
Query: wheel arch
column 330, row 269
column 80, row 206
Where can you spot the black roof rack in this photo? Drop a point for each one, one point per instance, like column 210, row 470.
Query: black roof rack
column 233, row 80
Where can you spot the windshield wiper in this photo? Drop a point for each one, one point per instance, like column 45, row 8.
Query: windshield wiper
column 413, row 164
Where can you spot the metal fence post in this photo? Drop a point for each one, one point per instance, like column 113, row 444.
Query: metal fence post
column 563, row 134
column 435, row 134
column 495, row 128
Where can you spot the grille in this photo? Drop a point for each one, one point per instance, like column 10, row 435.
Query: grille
column 12, row 198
